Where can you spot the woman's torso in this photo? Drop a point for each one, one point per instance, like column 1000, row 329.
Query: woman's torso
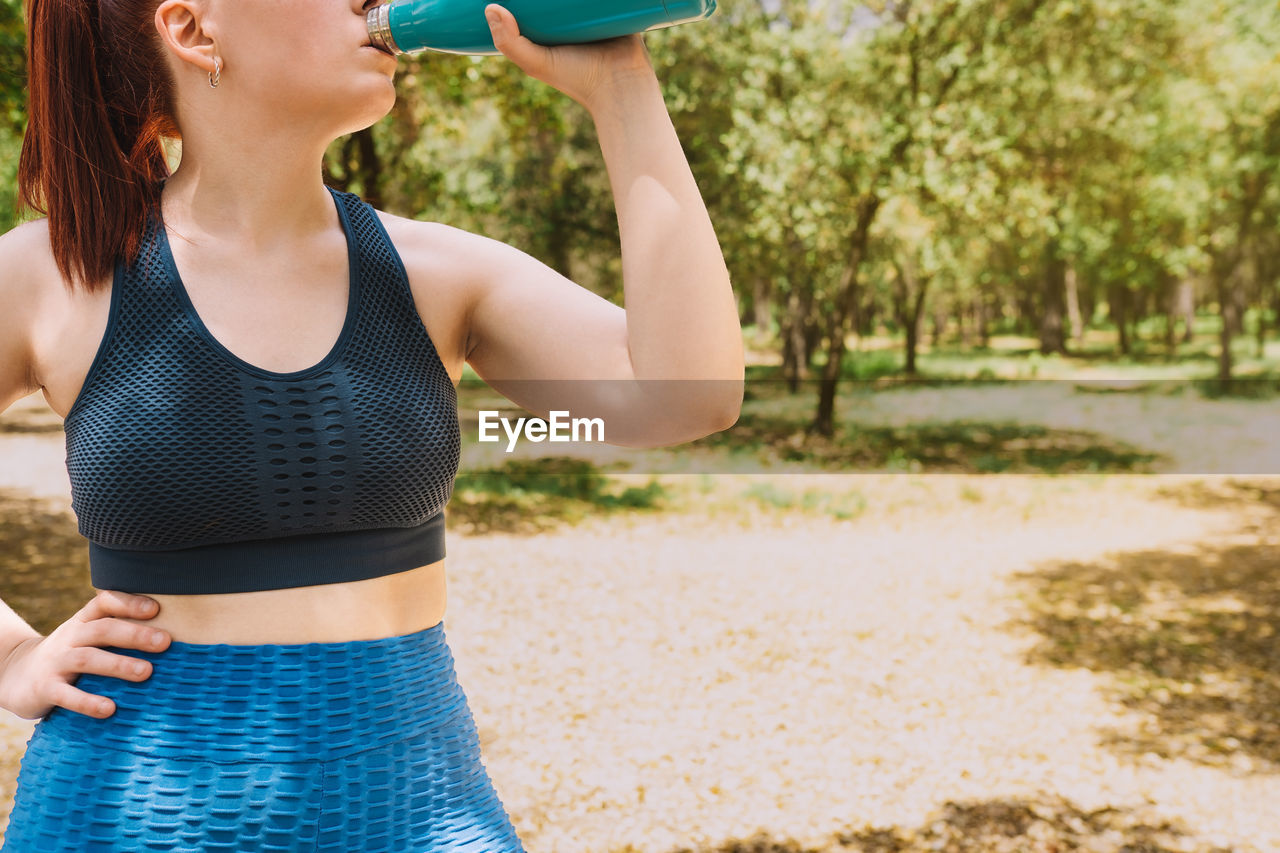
column 280, row 313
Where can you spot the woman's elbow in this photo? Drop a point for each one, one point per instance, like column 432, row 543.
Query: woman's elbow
column 724, row 417
column 717, row 413
column 674, row 413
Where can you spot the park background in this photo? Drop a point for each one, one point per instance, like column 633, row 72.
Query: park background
column 988, row 563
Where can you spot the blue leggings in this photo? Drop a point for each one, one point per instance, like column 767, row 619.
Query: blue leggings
column 363, row 746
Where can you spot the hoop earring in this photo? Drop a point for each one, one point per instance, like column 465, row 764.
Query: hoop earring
column 216, row 74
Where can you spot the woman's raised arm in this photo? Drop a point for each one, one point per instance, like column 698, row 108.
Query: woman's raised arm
column 669, row 369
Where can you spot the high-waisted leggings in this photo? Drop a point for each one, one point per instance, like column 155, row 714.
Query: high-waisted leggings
column 366, row 746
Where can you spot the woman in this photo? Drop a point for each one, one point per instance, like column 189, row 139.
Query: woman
column 257, row 377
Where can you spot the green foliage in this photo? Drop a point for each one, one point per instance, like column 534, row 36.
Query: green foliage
column 13, row 67
column 13, row 102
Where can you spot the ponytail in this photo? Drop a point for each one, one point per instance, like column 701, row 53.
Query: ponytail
column 99, row 107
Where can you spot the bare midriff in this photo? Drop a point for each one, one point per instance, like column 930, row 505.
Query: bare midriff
column 371, row 609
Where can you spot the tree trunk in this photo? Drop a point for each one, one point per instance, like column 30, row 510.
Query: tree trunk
column 1137, row 311
column 370, row 168
column 1118, row 309
column 1169, row 293
column 1073, row 305
column 811, row 338
column 1088, row 303
column 760, row 303
column 1053, row 301
column 867, row 316
column 790, row 358
column 847, row 294
column 917, row 311
column 1024, row 306
column 795, row 361
column 1226, row 307
column 1187, row 307
column 910, row 345
column 824, row 421
column 1260, row 339
column 908, row 301
column 1239, row 302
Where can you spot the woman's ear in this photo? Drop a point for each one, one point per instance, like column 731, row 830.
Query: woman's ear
column 186, row 31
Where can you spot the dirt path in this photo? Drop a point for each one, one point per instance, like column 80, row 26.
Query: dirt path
column 685, row 682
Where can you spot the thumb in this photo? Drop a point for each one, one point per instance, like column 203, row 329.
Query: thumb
column 507, row 38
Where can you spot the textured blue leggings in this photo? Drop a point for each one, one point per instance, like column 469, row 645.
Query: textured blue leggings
column 360, row 747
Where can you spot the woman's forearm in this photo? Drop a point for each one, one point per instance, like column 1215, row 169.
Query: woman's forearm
column 682, row 319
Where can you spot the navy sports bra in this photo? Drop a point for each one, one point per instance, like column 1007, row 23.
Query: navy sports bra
column 193, row 471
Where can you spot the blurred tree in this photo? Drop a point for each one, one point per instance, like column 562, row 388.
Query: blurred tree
column 13, row 106
column 1236, row 101
column 1010, row 163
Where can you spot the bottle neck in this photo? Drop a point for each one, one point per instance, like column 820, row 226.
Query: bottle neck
column 378, row 22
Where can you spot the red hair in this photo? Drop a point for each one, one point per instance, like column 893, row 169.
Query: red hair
column 100, row 104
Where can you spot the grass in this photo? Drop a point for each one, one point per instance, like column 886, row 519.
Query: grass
column 842, row 506
column 528, row 495
column 955, row 447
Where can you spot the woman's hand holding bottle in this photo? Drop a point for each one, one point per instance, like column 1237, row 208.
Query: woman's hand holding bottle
column 585, row 72
column 38, row 673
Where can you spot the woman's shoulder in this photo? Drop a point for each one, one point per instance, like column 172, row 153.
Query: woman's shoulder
column 446, row 276
column 48, row 331
column 441, row 252
column 25, row 251
column 27, row 264
column 28, row 271
column 27, row 275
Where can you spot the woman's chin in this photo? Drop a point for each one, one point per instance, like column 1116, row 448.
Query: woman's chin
column 374, row 105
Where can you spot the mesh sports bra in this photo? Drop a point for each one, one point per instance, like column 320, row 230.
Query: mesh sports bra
column 193, row 471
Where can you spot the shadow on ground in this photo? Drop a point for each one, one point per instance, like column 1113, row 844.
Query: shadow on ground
column 46, row 562
column 998, row 826
column 30, row 420
column 1191, row 639
column 27, row 428
column 953, row 447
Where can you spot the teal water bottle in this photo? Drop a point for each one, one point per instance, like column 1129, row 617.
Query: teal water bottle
column 459, row 26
